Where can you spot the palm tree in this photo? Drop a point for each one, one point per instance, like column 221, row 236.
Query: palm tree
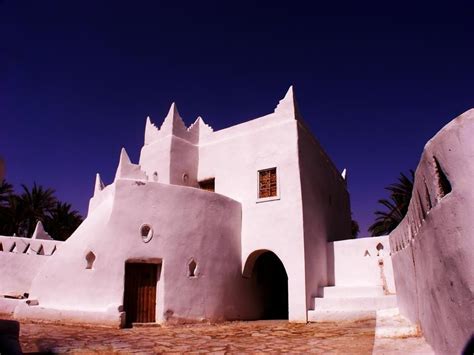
column 11, row 216
column 6, row 195
column 6, row 190
column 62, row 221
column 20, row 213
column 355, row 229
column 396, row 206
column 34, row 206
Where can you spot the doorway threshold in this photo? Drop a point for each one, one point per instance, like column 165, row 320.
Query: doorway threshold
column 146, row 325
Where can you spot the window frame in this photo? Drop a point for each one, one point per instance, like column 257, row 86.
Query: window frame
column 278, row 190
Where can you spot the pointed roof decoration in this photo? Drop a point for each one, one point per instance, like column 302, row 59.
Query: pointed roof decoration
column 99, row 185
column 124, row 158
column 344, row 173
column 151, row 131
column 288, row 105
column 344, row 176
column 40, row 233
column 124, row 163
column 173, row 123
column 199, row 129
column 127, row 170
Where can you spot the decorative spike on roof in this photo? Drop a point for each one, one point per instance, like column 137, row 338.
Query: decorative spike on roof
column 199, row 129
column 127, row 170
column 173, row 123
column 99, row 185
column 344, row 174
column 124, row 158
column 151, row 131
column 40, row 233
column 288, row 105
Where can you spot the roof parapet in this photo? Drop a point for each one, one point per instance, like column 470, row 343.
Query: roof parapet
column 198, row 130
column 288, row 105
column 40, row 233
column 127, row 170
column 173, row 123
column 151, row 131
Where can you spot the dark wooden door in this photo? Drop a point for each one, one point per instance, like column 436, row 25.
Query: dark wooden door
column 140, row 292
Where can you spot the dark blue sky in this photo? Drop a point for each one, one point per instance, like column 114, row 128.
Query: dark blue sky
column 374, row 81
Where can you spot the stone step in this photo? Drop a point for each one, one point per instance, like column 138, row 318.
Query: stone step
column 355, row 303
column 351, row 291
column 390, row 324
column 330, row 315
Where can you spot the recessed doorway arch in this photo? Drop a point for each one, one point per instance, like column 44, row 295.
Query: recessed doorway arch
column 268, row 273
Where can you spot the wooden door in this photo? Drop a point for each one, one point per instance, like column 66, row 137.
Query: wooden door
column 140, row 292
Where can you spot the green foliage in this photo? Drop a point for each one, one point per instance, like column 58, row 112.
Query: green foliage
column 19, row 213
column 62, row 221
column 396, row 205
column 6, row 190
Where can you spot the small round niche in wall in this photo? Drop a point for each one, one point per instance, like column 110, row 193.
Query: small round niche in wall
column 185, row 178
column 146, row 232
column 155, row 176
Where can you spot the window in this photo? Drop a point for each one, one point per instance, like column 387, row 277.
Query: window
column 267, row 183
column 192, row 268
column 208, row 185
column 146, row 232
column 444, row 186
column 90, row 258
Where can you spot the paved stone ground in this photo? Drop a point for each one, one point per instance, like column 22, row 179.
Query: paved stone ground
column 232, row 337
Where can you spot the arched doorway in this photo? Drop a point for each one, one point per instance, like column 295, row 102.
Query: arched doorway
column 272, row 285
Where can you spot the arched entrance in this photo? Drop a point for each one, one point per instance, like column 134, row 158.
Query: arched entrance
column 272, row 285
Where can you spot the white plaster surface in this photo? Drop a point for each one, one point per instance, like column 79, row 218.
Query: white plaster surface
column 20, row 259
column 182, row 229
column 432, row 248
column 40, row 233
column 358, row 262
column 361, row 273
column 224, row 232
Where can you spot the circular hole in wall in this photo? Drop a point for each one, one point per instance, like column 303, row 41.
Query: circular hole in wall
column 146, row 232
column 155, row 176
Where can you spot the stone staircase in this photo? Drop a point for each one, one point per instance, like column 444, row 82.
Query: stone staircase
column 338, row 303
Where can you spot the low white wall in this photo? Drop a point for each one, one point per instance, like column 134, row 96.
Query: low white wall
column 20, row 262
column 358, row 262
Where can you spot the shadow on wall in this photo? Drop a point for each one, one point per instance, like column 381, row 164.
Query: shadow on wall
column 331, row 270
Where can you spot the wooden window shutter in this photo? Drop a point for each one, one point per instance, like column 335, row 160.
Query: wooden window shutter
column 267, row 183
